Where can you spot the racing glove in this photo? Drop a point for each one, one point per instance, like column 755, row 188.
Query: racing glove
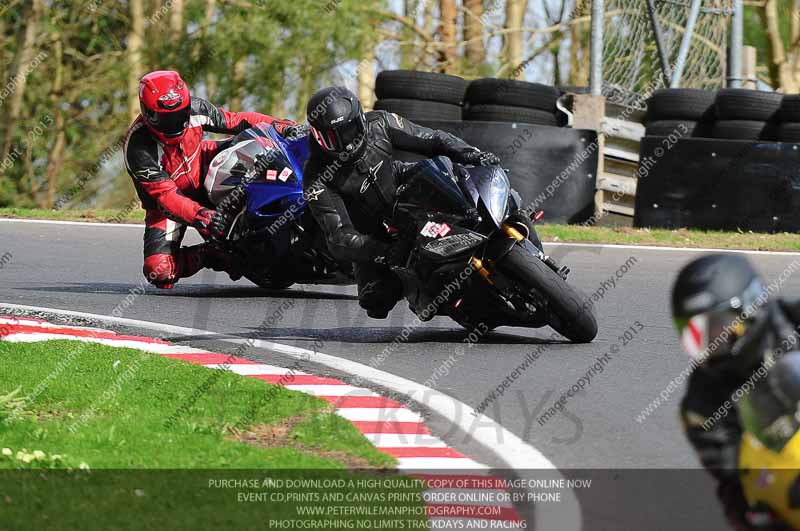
column 282, row 125
column 295, row 131
column 479, row 158
column 211, row 223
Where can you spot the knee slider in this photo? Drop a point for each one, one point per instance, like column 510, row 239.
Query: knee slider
column 159, row 269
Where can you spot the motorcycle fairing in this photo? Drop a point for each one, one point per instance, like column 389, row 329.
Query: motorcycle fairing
column 458, row 241
column 272, row 199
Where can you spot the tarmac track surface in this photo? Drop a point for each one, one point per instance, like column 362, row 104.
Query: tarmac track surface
column 97, row 269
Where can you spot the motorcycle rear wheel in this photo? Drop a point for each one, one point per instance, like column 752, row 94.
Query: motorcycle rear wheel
column 572, row 314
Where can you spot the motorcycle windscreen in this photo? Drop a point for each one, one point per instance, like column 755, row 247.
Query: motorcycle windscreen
column 765, row 416
column 433, row 185
column 494, row 188
column 229, row 165
column 296, row 150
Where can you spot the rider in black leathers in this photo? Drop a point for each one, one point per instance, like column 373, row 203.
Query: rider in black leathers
column 729, row 326
column 351, row 179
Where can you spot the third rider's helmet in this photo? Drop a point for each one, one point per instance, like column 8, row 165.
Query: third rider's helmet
column 337, row 122
column 713, row 300
column 165, row 105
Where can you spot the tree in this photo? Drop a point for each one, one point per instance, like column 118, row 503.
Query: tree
column 579, row 46
column 773, row 28
column 780, row 63
column 512, row 46
column 447, row 30
column 134, row 52
column 474, row 49
column 365, row 76
column 56, row 155
column 23, row 62
column 176, row 21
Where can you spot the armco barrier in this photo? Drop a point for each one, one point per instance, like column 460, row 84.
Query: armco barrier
column 553, row 168
column 718, row 184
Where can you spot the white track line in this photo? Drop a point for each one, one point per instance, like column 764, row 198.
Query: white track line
column 402, row 439
column 254, row 369
column 57, row 222
column 494, row 438
column 424, row 465
column 396, row 440
column 376, row 414
column 331, row 390
column 568, row 244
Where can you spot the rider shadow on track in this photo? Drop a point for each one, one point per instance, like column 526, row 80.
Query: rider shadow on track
column 382, row 335
column 191, row 291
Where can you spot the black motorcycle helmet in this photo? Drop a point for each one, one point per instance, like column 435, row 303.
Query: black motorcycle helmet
column 337, row 122
column 714, row 299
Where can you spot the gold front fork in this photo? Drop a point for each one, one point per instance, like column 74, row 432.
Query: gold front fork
column 477, row 263
column 512, row 232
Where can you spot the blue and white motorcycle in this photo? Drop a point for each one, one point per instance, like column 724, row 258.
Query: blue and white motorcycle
column 276, row 242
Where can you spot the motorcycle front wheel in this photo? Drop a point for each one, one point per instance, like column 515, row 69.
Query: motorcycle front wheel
column 571, row 312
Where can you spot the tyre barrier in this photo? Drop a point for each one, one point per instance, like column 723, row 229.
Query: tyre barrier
column 734, row 114
column 718, row 185
column 426, row 86
column 417, row 110
column 746, row 104
column 509, row 113
column 682, row 112
column 420, row 96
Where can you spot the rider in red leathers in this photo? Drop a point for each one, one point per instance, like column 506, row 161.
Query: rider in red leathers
column 167, row 158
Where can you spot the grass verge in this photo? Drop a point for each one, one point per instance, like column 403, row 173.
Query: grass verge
column 89, row 421
column 100, row 215
column 671, row 238
column 553, row 233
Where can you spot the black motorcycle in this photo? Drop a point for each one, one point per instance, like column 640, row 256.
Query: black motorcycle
column 471, row 261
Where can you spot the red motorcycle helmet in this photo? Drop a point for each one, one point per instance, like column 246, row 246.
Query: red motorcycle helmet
column 165, row 105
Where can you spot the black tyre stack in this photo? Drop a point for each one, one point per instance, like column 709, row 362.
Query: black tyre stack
column 420, row 96
column 744, row 114
column 788, row 130
column 508, row 100
column 681, row 112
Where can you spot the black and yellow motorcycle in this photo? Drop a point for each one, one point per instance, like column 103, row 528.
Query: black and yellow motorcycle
column 769, row 454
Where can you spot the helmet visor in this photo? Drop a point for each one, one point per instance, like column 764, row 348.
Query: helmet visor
column 351, row 135
column 326, row 139
column 170, row 124
column 710, row 334
column 694, row 335
column 347, row 138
